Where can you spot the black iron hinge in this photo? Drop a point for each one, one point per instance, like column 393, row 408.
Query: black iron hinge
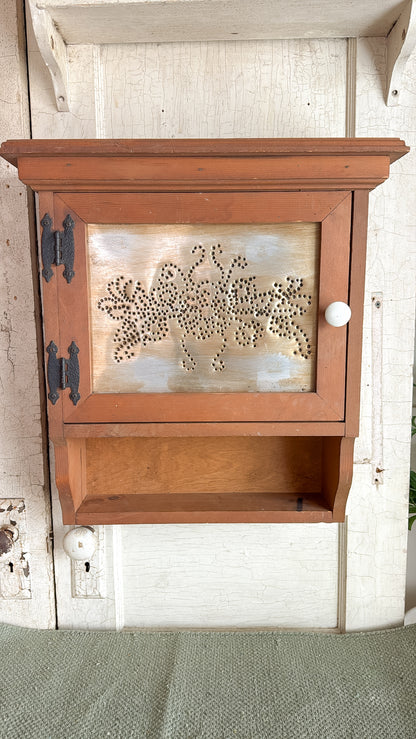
column 57, row 247
column 63, row 373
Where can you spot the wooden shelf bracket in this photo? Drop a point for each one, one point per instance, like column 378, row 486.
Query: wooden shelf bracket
column 53, row 52
column 57, row 24
column 401, row 42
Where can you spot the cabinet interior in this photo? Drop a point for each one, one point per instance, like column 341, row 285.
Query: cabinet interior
column 205, row 479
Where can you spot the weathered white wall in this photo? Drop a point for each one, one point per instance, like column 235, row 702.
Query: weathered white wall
column 22, row 471
column 281, row 575
column 377, row 520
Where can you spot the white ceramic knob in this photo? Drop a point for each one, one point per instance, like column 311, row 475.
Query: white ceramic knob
column 80, row 543
column 338, row 314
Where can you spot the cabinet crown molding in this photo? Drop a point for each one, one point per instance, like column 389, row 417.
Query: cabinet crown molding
column 142, row 165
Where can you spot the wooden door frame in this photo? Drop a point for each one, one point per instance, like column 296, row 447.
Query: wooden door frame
column 327, row 403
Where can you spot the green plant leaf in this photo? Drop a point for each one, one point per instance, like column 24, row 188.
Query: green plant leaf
column 412, row 499
column 412, row 519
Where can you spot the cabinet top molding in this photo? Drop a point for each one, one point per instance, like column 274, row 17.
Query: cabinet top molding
column 160, row 165
column 391, row 147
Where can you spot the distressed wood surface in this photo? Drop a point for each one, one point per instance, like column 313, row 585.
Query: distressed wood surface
column 223, row 90
column 377, row 511
column 22, row 471
column 254, row 575
column 219, row 575
column 195, row 90
column 83, row 68
column 112, row 21
column 15, row 579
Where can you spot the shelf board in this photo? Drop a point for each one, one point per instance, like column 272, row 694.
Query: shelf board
column 204, row 508
column 137, row 21
column 149, row 430
column 56, row 152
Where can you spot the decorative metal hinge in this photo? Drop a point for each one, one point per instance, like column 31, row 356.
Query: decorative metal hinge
column 63, row 373
column 57, row 247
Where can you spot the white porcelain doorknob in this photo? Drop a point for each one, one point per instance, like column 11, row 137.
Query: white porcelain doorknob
column 80, row 543
column 338, row 314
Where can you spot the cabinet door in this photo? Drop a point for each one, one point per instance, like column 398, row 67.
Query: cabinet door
column 205, row 306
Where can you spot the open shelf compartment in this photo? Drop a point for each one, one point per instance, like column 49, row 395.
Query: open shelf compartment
column 234, row 479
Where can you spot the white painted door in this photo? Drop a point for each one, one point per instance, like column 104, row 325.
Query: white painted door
column 26, row 575
column 295, row 576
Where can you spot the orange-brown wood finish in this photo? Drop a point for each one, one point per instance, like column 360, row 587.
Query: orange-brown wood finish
column 238, row 508
column 158, row 174
column 203, row 465
column 208, row 457
column 326, row 404
column 111, row 430
column 356, row 302
column 391, row 148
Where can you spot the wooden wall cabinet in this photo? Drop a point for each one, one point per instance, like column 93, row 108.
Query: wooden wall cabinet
column 192, row 375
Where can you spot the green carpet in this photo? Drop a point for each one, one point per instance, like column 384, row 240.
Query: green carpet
column 216, row 685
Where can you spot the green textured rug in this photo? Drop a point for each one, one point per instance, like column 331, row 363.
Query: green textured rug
column 216, row 685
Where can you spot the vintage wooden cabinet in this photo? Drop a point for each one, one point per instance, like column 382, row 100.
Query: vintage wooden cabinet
column 192, row 374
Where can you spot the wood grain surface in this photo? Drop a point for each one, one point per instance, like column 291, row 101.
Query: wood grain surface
column 200, row 465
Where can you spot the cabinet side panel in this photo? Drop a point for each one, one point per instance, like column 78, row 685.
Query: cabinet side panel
column 356, row 303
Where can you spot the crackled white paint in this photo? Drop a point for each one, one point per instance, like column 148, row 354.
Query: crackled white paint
column 377, row 520
column 88, row 575
column 275, row 575
column 222, row 576
column 53, row 51
column 15, row 580
column 123, row 21
column 21, row 453
column 84, row 602
column 401, row 42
